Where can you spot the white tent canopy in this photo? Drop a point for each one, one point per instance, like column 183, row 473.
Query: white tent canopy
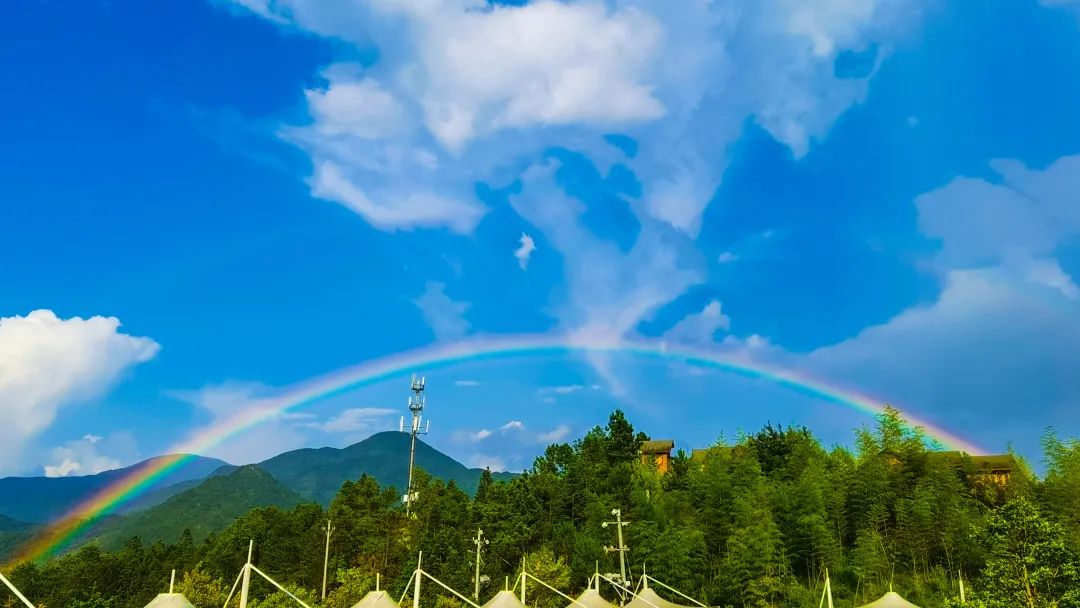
column 591, row 598
column 375, row 599
column 504, row 599
column 170, row 600
column 647, row 598
column 890, row 600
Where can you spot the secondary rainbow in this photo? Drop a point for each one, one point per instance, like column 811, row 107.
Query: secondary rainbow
column 62, row 531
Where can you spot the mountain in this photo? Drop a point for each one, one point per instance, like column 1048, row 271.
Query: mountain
column 208, row 507
column 8, row 524
column 41, row 499
column 319, row 473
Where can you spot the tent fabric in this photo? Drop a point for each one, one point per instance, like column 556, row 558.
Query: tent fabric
column 504, row 599
column 376, row 599
column 170, row 600
column 890, row 600
column 591, row 598
column 647, row 598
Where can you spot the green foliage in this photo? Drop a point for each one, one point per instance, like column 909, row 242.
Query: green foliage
column 744, row 524
column 1029, row 564
column 351, row 585
column 202, row 589
column 208, row 507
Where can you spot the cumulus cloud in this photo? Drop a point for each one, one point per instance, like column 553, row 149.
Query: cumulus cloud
column 488, row 461
column 80, row 457
column 513, row 425
column 446, row 317
column 1028, row 214
column 355, row 420
column 471, row 436
column 222, row 401
column 48, row 363
column 555, row 435
column 988, row 341
column 699, row 327
column 525, row 251
column 461, row 86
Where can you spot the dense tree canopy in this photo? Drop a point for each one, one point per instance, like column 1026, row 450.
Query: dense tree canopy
column 754, row 522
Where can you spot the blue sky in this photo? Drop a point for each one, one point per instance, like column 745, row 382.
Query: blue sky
column 207, row 202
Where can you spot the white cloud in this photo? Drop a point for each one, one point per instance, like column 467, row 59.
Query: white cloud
column 545, row 63
column 487, row 461
column 1027, row 215
column 485, row 84
column 393, row 208
column 471, row 436
column 48, row 363
column 513, row 425
column 224, row 401
column 80, row 457
column 468, row 383
column 555, row 435
column 444, row 316
column 564, row 389
column 525, row 251
column 699, row 327
column 355, row 420
column 727, row 257
column 991, row 342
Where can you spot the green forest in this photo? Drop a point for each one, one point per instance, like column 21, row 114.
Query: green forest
column 750, row 522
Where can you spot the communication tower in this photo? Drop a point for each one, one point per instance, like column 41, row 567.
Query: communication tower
column 416, row 406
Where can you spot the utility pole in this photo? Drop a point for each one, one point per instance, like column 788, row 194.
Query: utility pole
column 326, row 557
column 618, row 523
column 416, row 406
column 479, row 541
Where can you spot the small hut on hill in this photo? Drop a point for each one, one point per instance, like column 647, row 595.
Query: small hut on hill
column 890, row 600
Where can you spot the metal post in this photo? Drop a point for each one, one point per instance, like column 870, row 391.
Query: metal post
column 326, row 557
column 479, row 541
column 246, row 584
column 619, row 523
column 622, row 547
column 172, row 581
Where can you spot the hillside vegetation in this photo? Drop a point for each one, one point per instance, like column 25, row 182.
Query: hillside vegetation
column 752, row 523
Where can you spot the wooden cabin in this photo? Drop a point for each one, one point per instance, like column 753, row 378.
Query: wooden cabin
column 658, row 452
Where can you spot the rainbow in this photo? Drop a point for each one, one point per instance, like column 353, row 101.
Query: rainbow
column 68, row 527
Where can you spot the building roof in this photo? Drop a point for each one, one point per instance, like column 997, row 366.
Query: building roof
column 986, row 463
column 657, row 446
column 170, row 600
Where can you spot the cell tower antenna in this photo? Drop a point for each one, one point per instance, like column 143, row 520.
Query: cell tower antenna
column 416, row 406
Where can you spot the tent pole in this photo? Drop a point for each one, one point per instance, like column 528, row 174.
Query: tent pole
column 416, row 583
column 246, row 584
column 17, row 593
